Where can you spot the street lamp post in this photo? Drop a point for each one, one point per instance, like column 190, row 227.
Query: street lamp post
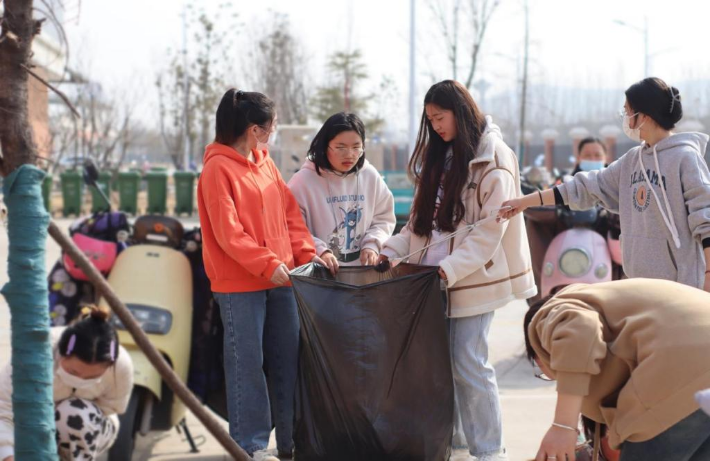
column 643, row 31
column 412, row 78
column 524, row 92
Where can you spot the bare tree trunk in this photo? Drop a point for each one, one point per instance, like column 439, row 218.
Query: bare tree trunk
column 26, row 292
column 18, row 30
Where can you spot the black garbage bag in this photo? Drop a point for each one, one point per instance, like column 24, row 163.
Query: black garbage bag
column 374, row 380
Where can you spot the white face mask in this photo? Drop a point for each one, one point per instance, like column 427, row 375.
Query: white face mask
column 266, row 142
column 76, row 382
column 633, row 133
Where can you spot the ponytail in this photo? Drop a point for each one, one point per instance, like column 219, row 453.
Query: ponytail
column 91, row 338
column 238, row 110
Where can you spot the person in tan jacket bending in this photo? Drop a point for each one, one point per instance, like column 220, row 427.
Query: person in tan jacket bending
column 630, row 355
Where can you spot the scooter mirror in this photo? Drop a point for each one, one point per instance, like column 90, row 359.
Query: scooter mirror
column 91, row 172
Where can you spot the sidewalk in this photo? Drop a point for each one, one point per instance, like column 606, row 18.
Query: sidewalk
column 528, row 403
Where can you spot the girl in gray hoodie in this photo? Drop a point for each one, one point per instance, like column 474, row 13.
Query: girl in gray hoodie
column 660, row 189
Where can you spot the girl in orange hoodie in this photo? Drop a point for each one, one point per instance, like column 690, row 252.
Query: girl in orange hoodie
column 253, row 235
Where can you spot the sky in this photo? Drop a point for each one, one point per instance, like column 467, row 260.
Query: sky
column 574, row 43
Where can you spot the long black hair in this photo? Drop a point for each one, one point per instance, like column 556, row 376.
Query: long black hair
column 336, row 124
column 91, row 338
column 428, row 159
column 238, row 110
column 655, row 98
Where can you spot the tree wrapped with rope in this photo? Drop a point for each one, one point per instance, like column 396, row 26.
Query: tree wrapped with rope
column 27, row 222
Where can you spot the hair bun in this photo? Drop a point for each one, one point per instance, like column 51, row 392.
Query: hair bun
column 98, row 313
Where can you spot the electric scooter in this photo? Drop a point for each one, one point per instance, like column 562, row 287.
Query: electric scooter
column 570, row 246
column 154, row 279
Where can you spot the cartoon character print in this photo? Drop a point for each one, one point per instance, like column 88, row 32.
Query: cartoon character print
column 351, row 218
column 345, row 239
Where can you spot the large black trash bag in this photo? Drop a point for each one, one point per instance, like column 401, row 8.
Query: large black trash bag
column 374, row 380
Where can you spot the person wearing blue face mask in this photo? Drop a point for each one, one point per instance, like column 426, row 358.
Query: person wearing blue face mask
column 591, row 157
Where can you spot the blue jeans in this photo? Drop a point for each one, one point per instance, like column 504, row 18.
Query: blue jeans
column 687, row 440
column 260, row 362
column 477, row 418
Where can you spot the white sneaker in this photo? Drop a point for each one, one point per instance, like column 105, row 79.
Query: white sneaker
column 265, row 455
column 461, row 455
column 500, row 456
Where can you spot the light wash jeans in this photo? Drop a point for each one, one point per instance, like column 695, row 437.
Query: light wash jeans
column 687, row 440
column 260, row 362
column 477, row 417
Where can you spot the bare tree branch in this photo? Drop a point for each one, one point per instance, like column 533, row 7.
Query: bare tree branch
column 52, row 16
column 53, row 88
column 476, row 16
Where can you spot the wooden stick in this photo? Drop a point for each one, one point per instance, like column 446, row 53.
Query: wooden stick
column 51, row 87
column 166, row 372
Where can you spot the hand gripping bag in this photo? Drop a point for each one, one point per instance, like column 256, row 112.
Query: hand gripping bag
column 374, row 380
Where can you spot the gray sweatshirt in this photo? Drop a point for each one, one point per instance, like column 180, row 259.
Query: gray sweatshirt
column 647, row 242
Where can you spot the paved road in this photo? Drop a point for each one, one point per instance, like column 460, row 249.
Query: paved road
column 528, row 403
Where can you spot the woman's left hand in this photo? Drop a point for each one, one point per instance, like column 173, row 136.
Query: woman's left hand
column 442, row 274
column 368, row 257
column 557, row 445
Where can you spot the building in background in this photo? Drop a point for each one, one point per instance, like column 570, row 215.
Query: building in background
column 50, row 59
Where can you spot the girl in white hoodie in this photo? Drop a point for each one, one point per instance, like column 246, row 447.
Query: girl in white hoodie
column 345, row 202
column 464, row 172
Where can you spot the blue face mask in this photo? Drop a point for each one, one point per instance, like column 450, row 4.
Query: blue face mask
column 591, row 165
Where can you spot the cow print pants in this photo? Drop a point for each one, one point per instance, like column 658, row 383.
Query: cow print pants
column 83, row 432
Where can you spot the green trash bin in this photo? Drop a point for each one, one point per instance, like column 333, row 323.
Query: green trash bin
column 97, row 201
column 157, row 181
column 72, row 188
column 47, row 192
column 128, row 186
column 184, row 192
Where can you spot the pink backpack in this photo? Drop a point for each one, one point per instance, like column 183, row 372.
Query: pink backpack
column 101, row 253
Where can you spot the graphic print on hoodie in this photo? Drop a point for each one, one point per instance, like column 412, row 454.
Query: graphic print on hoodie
column 648, row 241
column 344, row 241
column 345, row 214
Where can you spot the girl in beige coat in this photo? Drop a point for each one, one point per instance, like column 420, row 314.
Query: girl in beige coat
column 630, row 355
column 464, row 172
